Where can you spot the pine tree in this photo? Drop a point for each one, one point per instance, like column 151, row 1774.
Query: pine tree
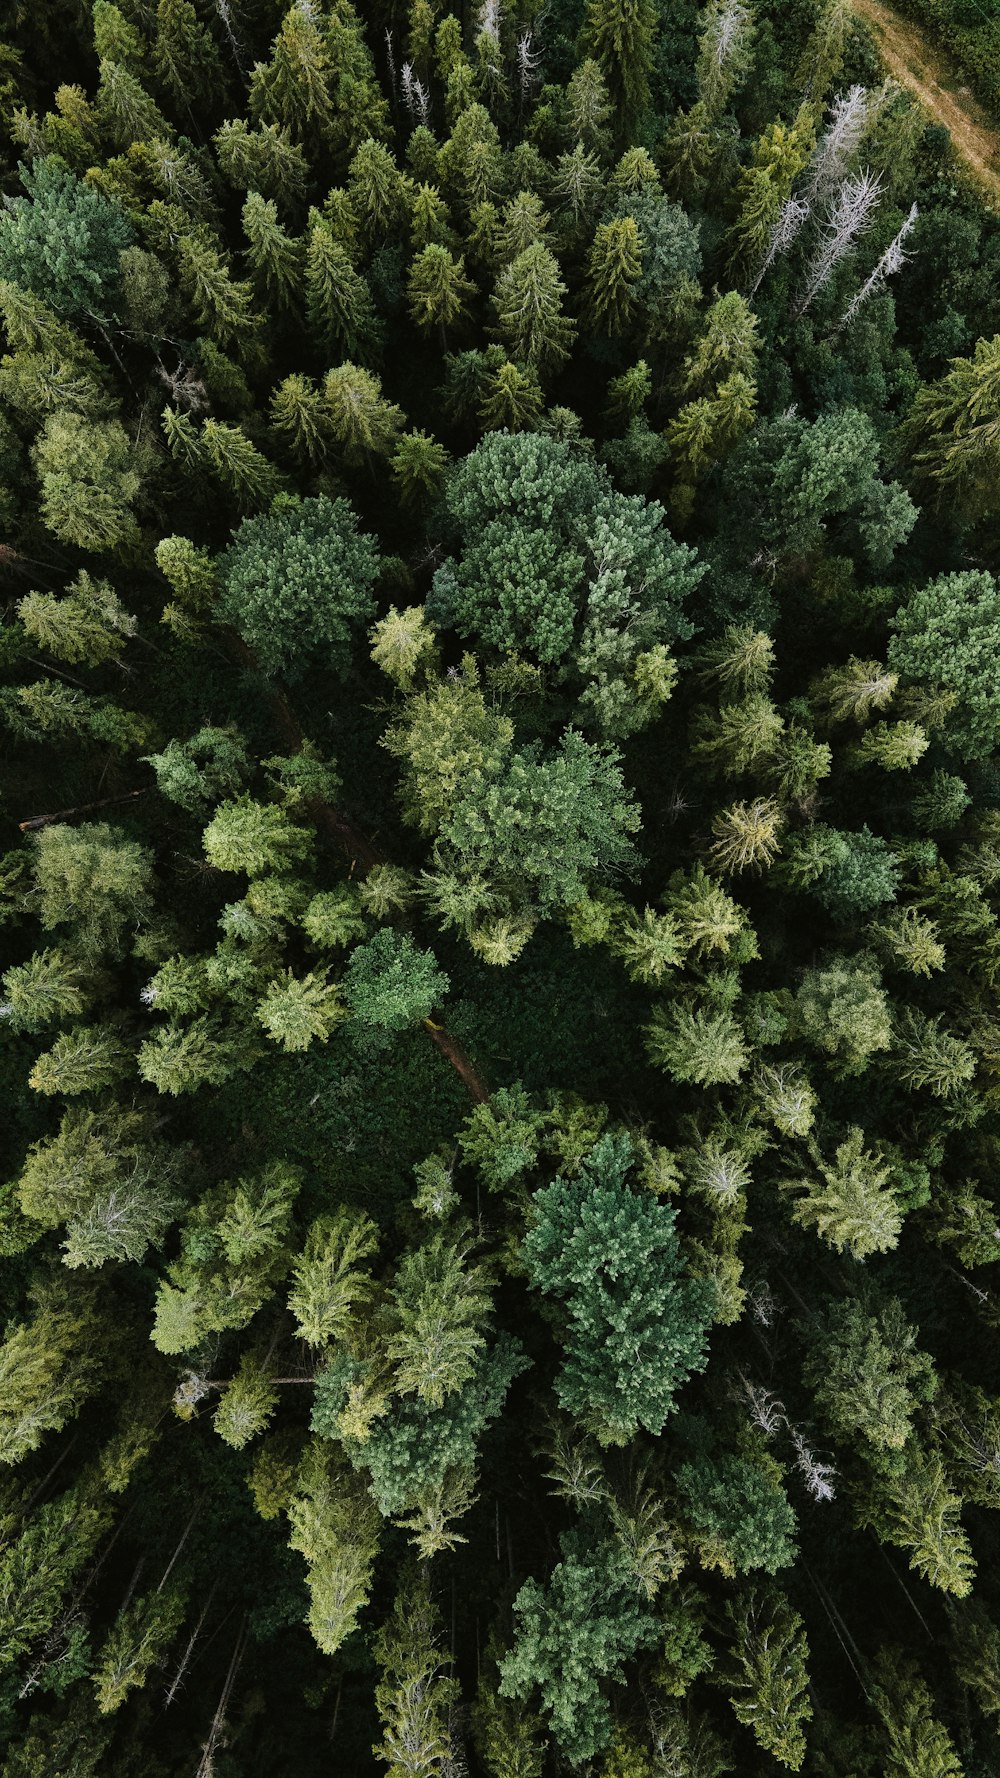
column 137, row 1641
column 769, row 1686
column 338, row 302
column 916, row 1744
column 693, row 1043
column 49, row 987
column 185, row 56
column 334, row 1525
column 746, row 836
column 438, row 289
column 265, row 160
column 329, row 1285
column 621, row 36
column 613, row 269
column 88, row 623
column 598, row 1245
column 274, row 256
column 418, row 466
column 219, row 304
column 363, row 424
column 298, row 1009
column 49, row 1364
column 241, row 468
column 528, row 303
column 89, row 476
column 414, row 1697
column 248, row 1404
column 292, row 90
column 851, row 1204
column 82, row 1060
column 511, row 399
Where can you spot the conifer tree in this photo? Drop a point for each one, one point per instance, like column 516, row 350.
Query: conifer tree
column 613, row 268
column 275, row 256
column 528, row 303
column 363, row 424
column 338, row 302
column 292, row 90
column 768, row 1689
column 621, row 37
column 438, row 289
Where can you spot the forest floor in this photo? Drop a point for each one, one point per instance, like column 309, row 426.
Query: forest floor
column 920, row 66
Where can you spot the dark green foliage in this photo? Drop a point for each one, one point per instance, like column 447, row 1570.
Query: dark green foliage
column 636, row 1330
column 63, row 242
column 298, row 581
column 500, row 910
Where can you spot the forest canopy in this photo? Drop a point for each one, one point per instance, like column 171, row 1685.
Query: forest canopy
column 500, row 896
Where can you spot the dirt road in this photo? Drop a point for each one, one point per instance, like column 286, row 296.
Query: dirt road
column 925, row 71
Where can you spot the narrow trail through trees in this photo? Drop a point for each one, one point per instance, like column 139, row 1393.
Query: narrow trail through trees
column 924, row 70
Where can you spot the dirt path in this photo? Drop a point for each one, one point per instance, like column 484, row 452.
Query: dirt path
column 925, row 71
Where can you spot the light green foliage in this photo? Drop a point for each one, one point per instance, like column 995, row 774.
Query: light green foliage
column 912, row 941
column 402, row 644
column 298, row 582
column 233, row 1252
column 589, row 1605
column 946, row 636
column 248, row 1404
column 335, row 1527
column 93, row 879
column 528, row 299
column 38, row 1567
column 614, row 266
column 89, row 476
column 695, row 1043
column 439, row 1308
column 82, row 1060
column 390, row 984
column 136, row 1642
column 181, row 1058
column 952, row 429
column 297, row 1010
column 747, row 835
column 244, row 835
column 334, row 918
column 843, row 1011
column 63, row 240
column 915, row 1743
column 850, row 1201
column 50, row 987
column 635, row 1328
column 89, row 623
column 415, row 1696
column 867, row 1373
column 437, row 288
column 115, row 1190
column 48, row 1367
column 916, row 1508
column 768, row 1689
column 362, row 423
column 928, row 1059
column 329, row 1286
